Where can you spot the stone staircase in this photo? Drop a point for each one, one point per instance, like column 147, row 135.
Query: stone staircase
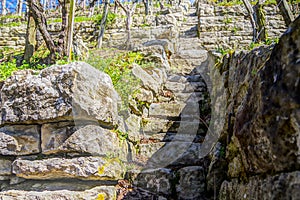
column 175, row 126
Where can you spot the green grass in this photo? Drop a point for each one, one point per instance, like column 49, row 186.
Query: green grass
column 11, row 24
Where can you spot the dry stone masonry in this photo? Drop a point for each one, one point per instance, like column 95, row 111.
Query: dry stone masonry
column 194, row 129
column 220, row 27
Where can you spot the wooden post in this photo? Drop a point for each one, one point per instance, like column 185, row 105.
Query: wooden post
column 70, row 29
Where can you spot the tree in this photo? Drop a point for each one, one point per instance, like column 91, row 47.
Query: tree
column 285, row 11
column 3, row 11
column 70, row 27
column 260, row 21
column 37, row 12
column 31, row 42
column 103, row 23
column 129, row 12
column 147, row 6
column 62, row 47
column 19, row 7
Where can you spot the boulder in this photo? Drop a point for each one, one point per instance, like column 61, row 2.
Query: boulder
column 268, row 118
column 73, row 91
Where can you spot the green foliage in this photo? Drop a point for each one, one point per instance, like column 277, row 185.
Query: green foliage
column 268, row 41
column 145, row 25
column 227, row 20
column 119, row 69
column 10, row 65
column 121, row 135
column 223, row 51
column 111, row 19
column 10, row 24
column 10, row 17
column 7, row 68
column 228, row 2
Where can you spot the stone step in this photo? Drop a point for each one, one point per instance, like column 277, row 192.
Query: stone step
column 162, row 154
column 175, row 137
column 188, row 87
column 153, row 126
column 174, row 110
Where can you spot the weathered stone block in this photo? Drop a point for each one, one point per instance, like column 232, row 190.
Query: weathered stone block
column 165, row 109
column 5, row 167
column 280, row 186
column 74, row 91
column 54, row 135
column 85, row 168
column 133, row 127
column 19, row 139
column 155, row 180
column 191, row 182
column 96, row 141
column 99, row 192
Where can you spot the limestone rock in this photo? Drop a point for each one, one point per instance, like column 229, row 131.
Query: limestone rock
column 191, row 182
column 99, row 192
column 5, row 167
column 133, row 127
column 85, row 168
column 96, row 141
column 281, row 186
column 73, row 91
column 19, row 140
column 152, row 79
column 54, row 134
column 165, row 109
column 155, row 180
column 268, row 119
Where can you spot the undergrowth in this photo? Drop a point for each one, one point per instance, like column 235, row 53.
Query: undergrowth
column 119, row 69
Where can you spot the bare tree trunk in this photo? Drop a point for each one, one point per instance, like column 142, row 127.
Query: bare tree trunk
column 30, row 38
column 252, row 18
column 3, row 12
column 37, row 13
column 146, row 4
column 63, row 39
column 92, row 4
column 129, row 12
column 103, row 23
column 285, row 11
column 260, row 20
column 198, row 18
column 19, row 7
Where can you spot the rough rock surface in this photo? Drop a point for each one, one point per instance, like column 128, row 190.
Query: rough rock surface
column 281, row 186
column 86, row 168
column 19, row 140
column 264, row 119
column 76, row 90
column 96, row 141
column 100, row 192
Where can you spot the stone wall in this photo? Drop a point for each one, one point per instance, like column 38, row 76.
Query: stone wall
column 230, row 27
column 226, row 27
